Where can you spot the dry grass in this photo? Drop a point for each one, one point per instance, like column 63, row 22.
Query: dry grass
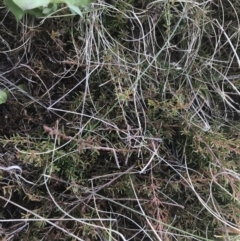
column 129, row 130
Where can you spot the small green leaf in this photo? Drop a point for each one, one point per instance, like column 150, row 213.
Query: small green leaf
column 50, row 9
column 3, row 96
column 75, row 9
column 22, row 87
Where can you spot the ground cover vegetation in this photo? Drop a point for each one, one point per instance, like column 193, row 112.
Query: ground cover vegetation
column 127, row 127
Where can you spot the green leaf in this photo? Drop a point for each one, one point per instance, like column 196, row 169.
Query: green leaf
column 31, row 4
column 37, row 12
column 50, row 9
column 84, row 3
column 79, row 3
column 40, row 8
column 75, row 9
column 22, row 87
column 3, row 96
column 12, row 7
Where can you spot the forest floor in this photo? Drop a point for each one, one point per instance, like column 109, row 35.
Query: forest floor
column 127, row 127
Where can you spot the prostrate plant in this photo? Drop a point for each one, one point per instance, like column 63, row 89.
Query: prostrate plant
column 4, row 94
column 131, row 131
column 40, row 8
